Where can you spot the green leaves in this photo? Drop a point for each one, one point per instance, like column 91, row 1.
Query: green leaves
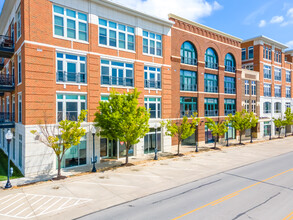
column 217, row 129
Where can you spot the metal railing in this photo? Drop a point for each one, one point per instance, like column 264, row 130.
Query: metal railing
column 155, row 84
column 117, row 81
column 230, row 111
column 211, row 112
column 6, row 80
column 63, row 76
column 230, row 90
column 188, row 87
column 188, row 60
column 212, row 89
column 187, row 113
column 211, row 65
column 230, row 69
column 6, row 42
column 6, row 117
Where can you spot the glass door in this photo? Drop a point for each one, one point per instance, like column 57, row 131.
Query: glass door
column 208, row 135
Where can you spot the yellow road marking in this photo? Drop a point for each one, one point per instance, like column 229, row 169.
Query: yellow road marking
column 288, row 216
column 235, row 194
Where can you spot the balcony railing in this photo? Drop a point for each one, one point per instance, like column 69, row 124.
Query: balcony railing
column 7, row 119
column 211, row 65
column 187, row 113
column 71, row 77
column 1, row 63
column 188, row 60
column 188, row 87
column 212, row 89
column 152, row 84
column 6, row 46
column 230, row 111
column 117, row 81
column 211, row 112
column 6, row 82
column 230, row 90
column 230, row 69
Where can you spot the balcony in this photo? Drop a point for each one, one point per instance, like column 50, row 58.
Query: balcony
column 230, row 111
column 231, row 69
column 67, row 77
column 6, row 46
column 188, row 60
column 152, row 84
column 6, row 83
column 7, row 120
column 187, row 113
column 230, row 90
column 212, row 89
column 209, row 113
column 211, row 65
column 1, row 63
column 117, row 81
column 188, row 87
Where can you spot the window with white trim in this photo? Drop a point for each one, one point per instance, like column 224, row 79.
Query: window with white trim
column 267, row 90
column 278, row 74
column 19, row 108
column 288, row 76
column 243, row 54
column 246, row 87
column 278, row 56
column 250, row 52
column 253, row 106
column 70, row 23
column 288, row 105
column 154, row 105
column 278, row 90
column 152, row 43
column 246, row 105
column 18, row 24
column 253, row 87
column 288, row 91
column 19, row 70
column 69, row 106
column 116, row 35
column 267, row 108
column 267, row 53
column 267, row 71
column 152, row 77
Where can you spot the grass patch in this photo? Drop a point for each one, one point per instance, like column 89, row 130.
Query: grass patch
column 3, row 167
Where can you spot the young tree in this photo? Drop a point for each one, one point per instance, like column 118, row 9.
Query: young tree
column 240, row 121
column 279, row 123
column 181, row 129
column 288, row 119
column 218, row 129
column 121, row 118
column 61, row 137
column 253, row 120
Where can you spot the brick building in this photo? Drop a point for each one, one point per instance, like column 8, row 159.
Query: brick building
column 206, row 75
column 267, row 57
column 65, row 56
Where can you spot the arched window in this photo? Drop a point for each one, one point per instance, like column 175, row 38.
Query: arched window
column 188, row 53
column 267, row 108
column 230, row 63
column 278, row 107
column 211, row 59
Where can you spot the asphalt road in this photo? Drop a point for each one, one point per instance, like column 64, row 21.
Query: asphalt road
column 262, row 190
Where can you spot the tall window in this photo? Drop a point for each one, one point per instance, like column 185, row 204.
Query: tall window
column 69, row 106
column 253, row 87
column 19, row 108
column 12, row 71
column 20, row 150
column 70, row 24
column 18, row 14
column 211, row 107
column 188, row 54
column 116, row 35
column 7, row 104
column 152, row 77
column 19, row 70
column 267, row 53
column 154, row 105
column 13, row 106
column 246, row 85
column 188, row 106
column 211, row 59
column 230, row 63
column 267, row 70
column 230, row 86
column 277, row 91
column 250, row 52
column 267, row 90
column 210, row 83
column 230, row 106
column 288, row 92
column 267, row 108
column 253, row 106
column 152, row 43
column 278, row 74
column 288, row 76
column 117, row 73
column 278, row 56
column 243, row 54
column 71, row 68
column 278, row 107
column 246, row 105
column 188, row 80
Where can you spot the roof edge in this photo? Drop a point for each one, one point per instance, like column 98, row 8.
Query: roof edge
column 267, row 39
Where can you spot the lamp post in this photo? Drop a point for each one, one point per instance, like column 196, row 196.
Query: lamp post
column 94, row 159
column 227, row 137
column 156, row 149
column 271, row 131
column 8, row 137
column 196, row 143
column 250, row 132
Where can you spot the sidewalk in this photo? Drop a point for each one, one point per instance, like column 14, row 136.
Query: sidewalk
column 80, row 195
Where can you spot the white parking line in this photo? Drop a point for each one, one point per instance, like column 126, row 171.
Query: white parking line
column 10, row 198
column 50, row 206
column 105, row 184
column 11, row 204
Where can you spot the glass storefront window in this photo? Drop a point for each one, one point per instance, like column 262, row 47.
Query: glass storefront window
column 122, row 150
column 191, row 141
column 150, row 141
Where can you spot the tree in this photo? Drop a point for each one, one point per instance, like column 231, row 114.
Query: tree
column 181, row 129
column 121, row 118
column 61, row 137
column 288, row 119
column 253, row 120
column 218, row 129
column 240, row 121
column 279, row 123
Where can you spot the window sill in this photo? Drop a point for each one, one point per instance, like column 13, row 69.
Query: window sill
column 188, row 91
column 211, row 69
column 116, row 48
column 191, row 65
column 153, row 89
column 151, row 55
column 74, row 84
column 121, row 87
column 229, row 72
column 71, row 39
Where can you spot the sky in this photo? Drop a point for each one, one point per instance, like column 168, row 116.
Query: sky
column 241, row 18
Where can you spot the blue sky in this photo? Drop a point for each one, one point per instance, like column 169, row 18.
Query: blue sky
column 241, row 18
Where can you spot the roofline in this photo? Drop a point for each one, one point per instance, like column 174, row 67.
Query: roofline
column 134, row 12
column 267, row 39
column 5, row 14
column 204, row 27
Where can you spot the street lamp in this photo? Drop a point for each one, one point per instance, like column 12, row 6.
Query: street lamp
column 94, row 159
column 227, row 137
column 250, row 131
column 196, row 143
column 156, row 149
column 271, row 131
column 8, row 137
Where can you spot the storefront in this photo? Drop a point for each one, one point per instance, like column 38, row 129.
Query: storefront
column 152, row 139
column 267, row 128
column 208, row 135
column 113, row 149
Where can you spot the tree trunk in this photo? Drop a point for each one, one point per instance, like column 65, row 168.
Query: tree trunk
column 285, row 131
column 178, row 148
column 240, row 137
column 215, row 144
column 59, row 167
column 126, row 158
column 279, row 132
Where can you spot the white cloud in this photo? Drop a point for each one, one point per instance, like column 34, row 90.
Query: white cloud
column 290, row 44
column 290, row 12
column 262, row 23
column 194, row 10
column 277, row 19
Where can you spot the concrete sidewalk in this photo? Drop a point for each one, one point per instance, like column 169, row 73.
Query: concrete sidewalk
column 80, row 195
